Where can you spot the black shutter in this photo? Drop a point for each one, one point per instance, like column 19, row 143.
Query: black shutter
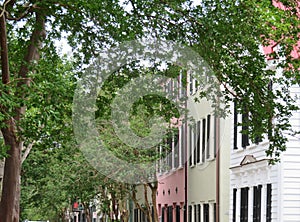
column 235, row 126
column 162, row 214
column 234, row 205
column 257, row 203
column 195, row 145
column 152, row 213
column 199, row 212
column 206, row 213
column 177, row 213
column 269, row 203
column 203, row 139
column 190, row 213
column 244, row 204
column 245, row 136
column 195, row 213
column 136, row 215
column 198, row 141
column 170, row 214
column 208, row 137
column 215, row 212
column 190, row 144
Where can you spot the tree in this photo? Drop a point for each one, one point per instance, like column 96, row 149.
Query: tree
column 27, row 44
column 28, row 31
column 228, row 35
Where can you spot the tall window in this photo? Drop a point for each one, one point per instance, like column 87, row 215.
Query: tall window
column 240, row 133
column 162, row 214
column 257, row 203
column 269, row 203
column 244, row 204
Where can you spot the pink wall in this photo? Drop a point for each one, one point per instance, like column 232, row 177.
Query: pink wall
column 167, row 188
column 295, row 53
column 171, row 192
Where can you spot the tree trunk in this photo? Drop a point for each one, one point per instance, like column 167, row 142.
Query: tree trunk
column 153, row 197
column 9, row 206
column 10, row 199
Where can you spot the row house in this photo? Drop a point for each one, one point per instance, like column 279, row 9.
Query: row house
column 208, row 147
column 260, row 192
column 195, row 185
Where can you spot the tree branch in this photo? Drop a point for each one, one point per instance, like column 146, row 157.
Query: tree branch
column 4, row 50
column 27, row 151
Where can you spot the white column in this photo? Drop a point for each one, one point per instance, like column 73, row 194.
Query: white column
column 179, row 143
column 250, row 204
column 238, row 204
column 263, row 202
column 201, row 212
column 211, row 212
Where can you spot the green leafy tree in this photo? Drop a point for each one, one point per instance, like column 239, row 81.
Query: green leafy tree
column 227, row 34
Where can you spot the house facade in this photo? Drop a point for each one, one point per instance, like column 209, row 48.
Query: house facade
column 208, row 175
column 263, row 192
column 195, row 188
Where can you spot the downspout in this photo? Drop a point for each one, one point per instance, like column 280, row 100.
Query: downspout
column 217, row 144
column 185, row 176
column 185, row 164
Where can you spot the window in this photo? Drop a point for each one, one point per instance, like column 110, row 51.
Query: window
column 205, row 212
column 169, row 152
column 257, row 203
column 234, row 205
column 240, row 133
column 269, row 203
column 244, row 204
